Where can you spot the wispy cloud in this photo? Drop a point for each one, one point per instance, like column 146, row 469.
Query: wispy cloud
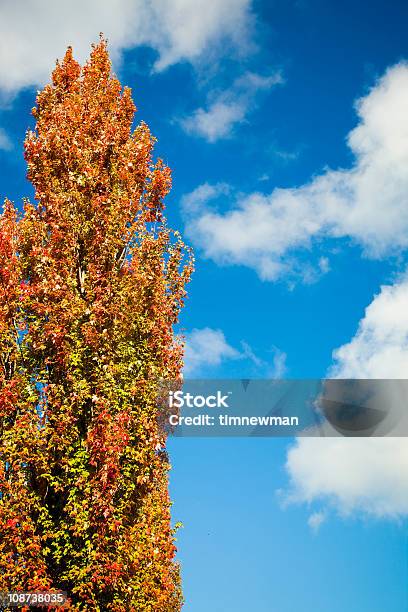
column 229, row 108
column 367, row 203
column 278, row 369
column 208, row 348
column 274, row 368
column 5, row 142
column 316, row 520
column 196, row 202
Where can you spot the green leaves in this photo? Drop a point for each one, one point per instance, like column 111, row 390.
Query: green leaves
column 90, row 290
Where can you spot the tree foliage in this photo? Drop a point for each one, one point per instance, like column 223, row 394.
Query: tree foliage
column 91, row 285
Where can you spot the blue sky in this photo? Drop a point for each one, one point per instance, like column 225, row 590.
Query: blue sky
column 294, row 198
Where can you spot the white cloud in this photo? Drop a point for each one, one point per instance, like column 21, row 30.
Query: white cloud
column 33, row 36
column 195, row 202
column 216, row 122
column 363, row 475
column 316, row 520
column 367, row 203
column 278, row 364
column 379, row 348
column 229, row 107
column 206, row 347
column 5, row 142
column 353, row 475
column 274, row 369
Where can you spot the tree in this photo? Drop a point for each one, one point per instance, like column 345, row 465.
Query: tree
column 92, row 282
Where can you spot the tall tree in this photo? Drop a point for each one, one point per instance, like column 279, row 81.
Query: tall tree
column 91, row 284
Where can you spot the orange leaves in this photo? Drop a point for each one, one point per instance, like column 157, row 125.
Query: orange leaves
column 66, row 73
column 92, row 283
column 9, row 264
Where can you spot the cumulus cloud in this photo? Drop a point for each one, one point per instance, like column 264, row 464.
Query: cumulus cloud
column 367, row 203
column 179, row 30
column 379, row 348
column 363, row 475
column 229, row 108
column 352, row 475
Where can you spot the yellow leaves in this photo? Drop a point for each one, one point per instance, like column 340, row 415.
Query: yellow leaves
column 98, row 289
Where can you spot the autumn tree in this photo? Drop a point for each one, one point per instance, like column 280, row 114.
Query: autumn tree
column 91, row 284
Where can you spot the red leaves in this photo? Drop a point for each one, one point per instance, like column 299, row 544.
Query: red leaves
column 67, row 73
column 89, row 294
